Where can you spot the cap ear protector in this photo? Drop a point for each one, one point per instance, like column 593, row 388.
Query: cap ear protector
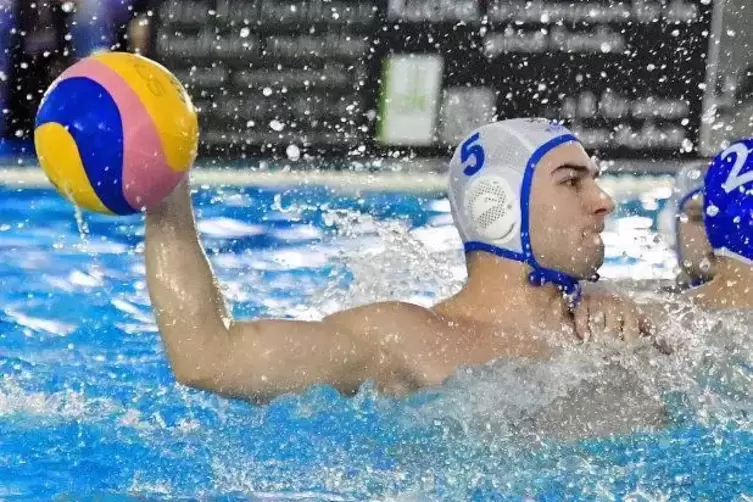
column 492, row 208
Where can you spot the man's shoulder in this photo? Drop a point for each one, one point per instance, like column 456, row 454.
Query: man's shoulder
column 392, row 317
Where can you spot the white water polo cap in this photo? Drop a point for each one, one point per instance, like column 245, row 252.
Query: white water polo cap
column 491, row 174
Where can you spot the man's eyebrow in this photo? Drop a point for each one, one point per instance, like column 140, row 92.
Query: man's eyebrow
column 580, row 168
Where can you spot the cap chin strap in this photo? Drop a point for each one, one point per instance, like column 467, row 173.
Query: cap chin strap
column 567, row 283
column 697, row 281
column 539, row 276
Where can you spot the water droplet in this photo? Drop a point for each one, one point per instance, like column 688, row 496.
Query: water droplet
column 276, row 125
column 267, row 91
column 293, row 152
column 712, row 210
column 245, row 32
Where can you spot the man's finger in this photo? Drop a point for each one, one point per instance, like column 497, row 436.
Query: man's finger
column 580, row 316
column 612, row 323
column 596, row 322
column 631, row 328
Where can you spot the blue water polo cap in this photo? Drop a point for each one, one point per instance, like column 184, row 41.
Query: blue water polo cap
column 728, row 202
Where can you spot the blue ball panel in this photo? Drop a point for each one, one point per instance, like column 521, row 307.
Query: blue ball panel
column 92, row 118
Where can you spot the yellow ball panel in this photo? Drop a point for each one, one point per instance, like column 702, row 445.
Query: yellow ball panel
column 60, row 159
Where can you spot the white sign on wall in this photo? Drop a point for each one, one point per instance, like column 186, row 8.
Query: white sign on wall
column 409, row 101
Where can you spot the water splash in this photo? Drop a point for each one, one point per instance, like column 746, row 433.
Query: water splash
column 384, row 260
column 99, row 405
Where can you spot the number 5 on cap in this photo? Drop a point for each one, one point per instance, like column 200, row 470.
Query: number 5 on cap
column 472, row 150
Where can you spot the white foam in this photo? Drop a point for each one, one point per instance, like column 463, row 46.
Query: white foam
column 297, row 233
column 48, row 326
column 66, row 404
column 228, row 228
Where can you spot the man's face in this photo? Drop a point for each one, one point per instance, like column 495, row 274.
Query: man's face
column 567, row 212
column 694, row 250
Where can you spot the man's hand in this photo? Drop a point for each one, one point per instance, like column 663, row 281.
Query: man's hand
column 605, row 312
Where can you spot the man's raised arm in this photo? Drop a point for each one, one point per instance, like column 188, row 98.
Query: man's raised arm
column 258, row 360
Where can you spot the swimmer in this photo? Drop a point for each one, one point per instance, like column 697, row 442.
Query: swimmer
column 728, row 218
column 681, row 224
column 527, row 205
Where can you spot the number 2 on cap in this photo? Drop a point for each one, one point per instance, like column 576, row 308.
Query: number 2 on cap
column 734, row 180
column 472, row 150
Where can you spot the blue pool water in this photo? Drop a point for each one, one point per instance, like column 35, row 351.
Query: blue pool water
column 90, row 411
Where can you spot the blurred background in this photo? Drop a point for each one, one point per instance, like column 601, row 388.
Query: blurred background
column 647, row 80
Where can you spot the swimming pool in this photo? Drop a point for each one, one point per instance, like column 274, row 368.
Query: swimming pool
column 89, row 409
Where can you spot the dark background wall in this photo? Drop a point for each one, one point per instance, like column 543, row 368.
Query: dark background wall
column 395, row 77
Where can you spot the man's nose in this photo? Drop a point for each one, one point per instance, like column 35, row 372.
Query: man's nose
column 600, row 201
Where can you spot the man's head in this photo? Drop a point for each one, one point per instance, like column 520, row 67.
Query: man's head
column 682, row 227
column 524, row 189
column 728, row 202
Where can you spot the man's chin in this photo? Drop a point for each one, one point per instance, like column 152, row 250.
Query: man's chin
column 595, row 260
column 590, row 274
column 584, row 265
column 586, row 272
column 592, row 270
